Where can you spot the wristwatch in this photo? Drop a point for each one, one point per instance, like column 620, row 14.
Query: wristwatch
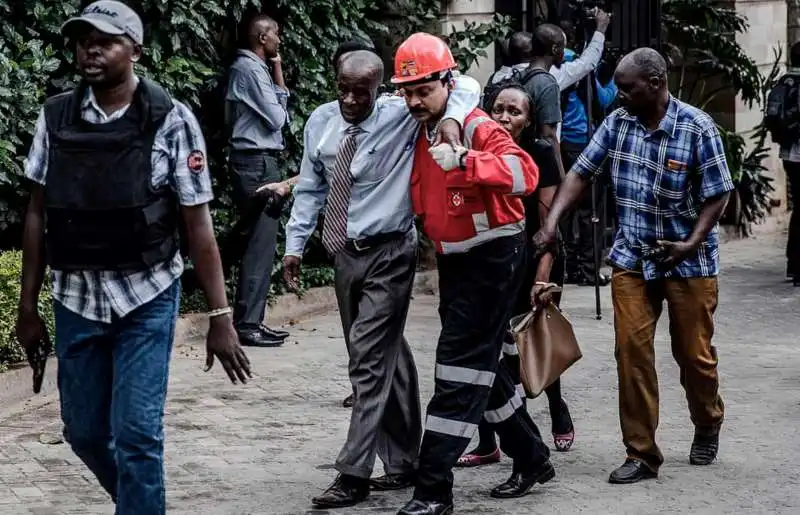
column 462, row 161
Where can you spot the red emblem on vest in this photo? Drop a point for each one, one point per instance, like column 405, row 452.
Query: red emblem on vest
column 196, row 161
column 456, row 199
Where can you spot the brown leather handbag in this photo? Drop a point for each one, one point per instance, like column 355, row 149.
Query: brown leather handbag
column 547, row 347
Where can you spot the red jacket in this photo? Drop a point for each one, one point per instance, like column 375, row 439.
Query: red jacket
column 464, row 208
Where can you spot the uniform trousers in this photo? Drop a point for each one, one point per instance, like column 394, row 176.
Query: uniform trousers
column 477, row 289
column 373, row 290
column 510, row 351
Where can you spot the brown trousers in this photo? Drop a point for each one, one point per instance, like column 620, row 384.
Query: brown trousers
column 637, row 307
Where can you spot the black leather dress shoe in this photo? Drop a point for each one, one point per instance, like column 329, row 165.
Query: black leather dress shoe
column 704, row 449
column 391, row 482
column 348, row 401
column 256, row 338
column 520, row 483
column 345, row 491
column 417, row 507
column 274, row 333
column 632, row 471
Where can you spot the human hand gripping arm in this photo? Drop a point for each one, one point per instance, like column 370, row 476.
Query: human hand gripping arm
column 496, row 162
column 588, row 164
column 715, row 187
column 309, row 197
column 463, row 100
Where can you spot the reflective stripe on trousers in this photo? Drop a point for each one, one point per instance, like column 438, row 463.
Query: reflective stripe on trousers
column 477, row 289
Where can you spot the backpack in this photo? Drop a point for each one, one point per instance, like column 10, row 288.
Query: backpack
column 517, row 76
column 782, row 112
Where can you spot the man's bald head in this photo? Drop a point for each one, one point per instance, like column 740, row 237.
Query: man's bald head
column 641, row 79
column 646, row 63
column 260, row 34
column 363, row 63
column 359, row 76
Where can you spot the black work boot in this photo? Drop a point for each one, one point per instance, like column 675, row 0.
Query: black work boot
column 345, row 491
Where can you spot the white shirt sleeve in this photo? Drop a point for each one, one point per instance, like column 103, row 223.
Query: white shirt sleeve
column 569, row 73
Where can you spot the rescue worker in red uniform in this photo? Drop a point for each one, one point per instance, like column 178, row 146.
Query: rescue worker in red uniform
column 469, row 201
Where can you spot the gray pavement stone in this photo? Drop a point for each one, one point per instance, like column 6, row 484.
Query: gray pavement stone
column 268, row 447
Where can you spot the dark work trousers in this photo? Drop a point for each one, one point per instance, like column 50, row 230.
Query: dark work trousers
column 373, row 289
column 793, row 244
column 477, row 291
column 251, row 170
column 558, row 412
column 577, row 226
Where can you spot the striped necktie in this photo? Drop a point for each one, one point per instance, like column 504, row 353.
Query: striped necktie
column 334, row 227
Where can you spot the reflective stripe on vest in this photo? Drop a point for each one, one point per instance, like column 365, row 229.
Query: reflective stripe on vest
column 513, row 162
column 469, row 130
column 515, row 165
column 457, row 247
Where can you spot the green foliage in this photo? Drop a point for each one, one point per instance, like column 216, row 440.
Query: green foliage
column 702, row 44
column 10, row 270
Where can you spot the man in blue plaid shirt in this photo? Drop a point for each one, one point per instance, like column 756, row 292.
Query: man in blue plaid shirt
column 667, row 167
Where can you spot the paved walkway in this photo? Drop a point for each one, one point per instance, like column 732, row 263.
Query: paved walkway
column 267, row 447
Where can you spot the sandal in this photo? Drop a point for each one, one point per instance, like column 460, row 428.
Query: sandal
column 476, row 460
column 564, row 442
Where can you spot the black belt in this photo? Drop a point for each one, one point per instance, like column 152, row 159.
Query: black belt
column 273, row 152
column 368, row 242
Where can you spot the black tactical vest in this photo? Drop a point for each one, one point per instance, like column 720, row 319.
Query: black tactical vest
column 102, row 212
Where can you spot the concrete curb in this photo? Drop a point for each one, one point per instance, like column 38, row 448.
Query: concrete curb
column 286, row 310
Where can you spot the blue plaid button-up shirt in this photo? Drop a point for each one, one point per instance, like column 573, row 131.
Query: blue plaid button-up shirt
column 660, row 181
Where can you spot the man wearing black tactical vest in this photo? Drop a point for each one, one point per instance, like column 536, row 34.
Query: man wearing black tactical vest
column 115, row 166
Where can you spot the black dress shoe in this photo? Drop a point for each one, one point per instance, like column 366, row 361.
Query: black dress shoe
column 417, row 507
column 348, row 401
column 632, row 471
column 603, row 280
column 520, row 483
column 391, row 482
column 274, row 333
column 255, row 338
column 704, row 449
column 345, row 491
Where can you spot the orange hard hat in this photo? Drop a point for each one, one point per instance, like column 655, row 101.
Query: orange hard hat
column 420, row 57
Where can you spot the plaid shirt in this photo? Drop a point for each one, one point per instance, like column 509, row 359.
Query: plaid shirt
column 660, row 180
column 101, row 295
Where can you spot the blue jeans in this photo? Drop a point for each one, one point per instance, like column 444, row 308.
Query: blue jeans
column 113, row 384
